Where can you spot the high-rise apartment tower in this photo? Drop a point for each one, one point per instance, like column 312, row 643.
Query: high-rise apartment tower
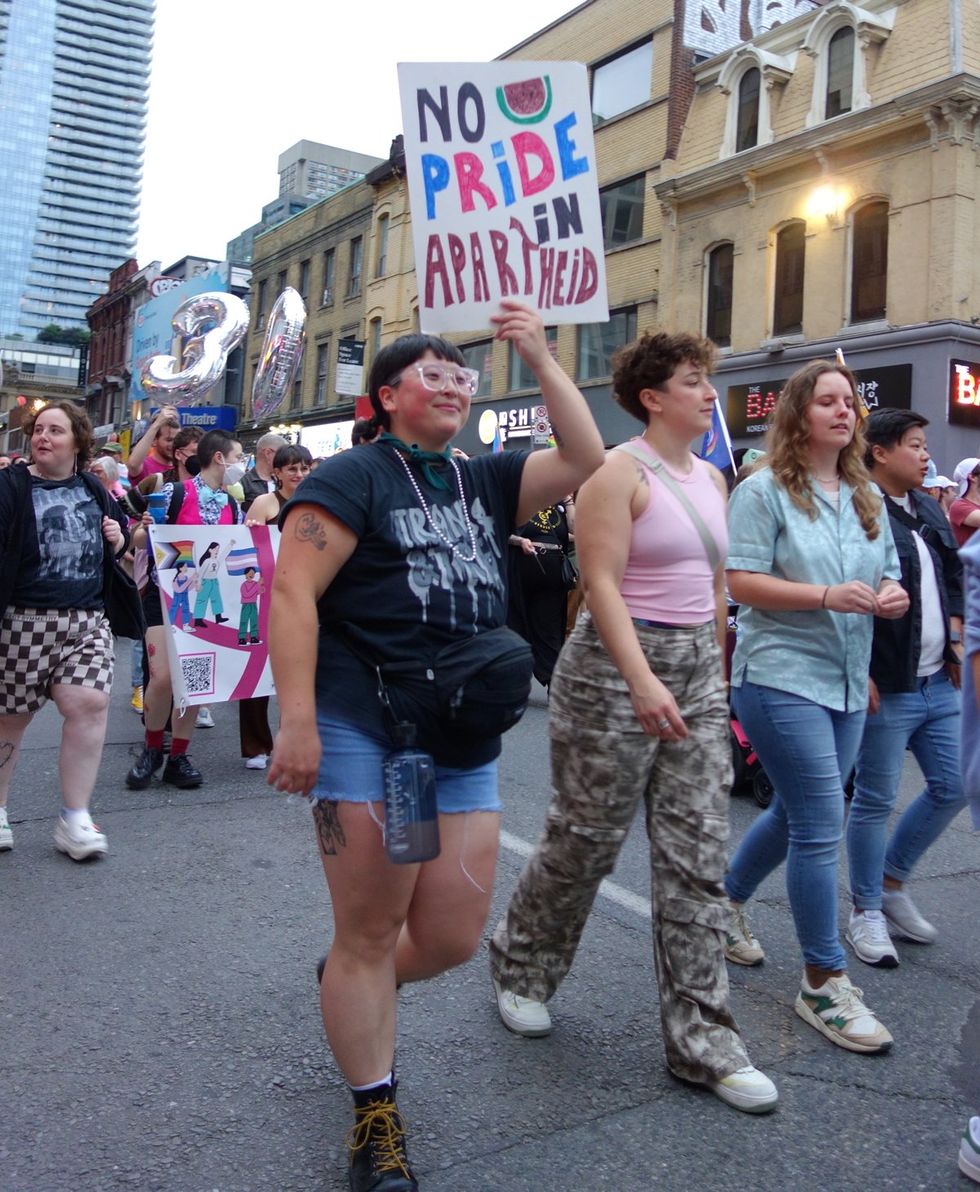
column 74, row 76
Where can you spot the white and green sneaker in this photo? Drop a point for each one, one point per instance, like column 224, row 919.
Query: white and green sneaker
column 6, row 835
column 970, row 1150
column 837, row 1011
column 741, row 946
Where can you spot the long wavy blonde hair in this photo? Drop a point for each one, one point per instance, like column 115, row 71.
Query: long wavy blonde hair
column 788, row 440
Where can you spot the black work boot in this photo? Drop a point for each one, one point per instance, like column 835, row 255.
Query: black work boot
column 146, row 765
column 181, row 772
column 376, row 1144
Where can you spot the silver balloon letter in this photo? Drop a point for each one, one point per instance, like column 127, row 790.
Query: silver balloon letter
column 282, row 354
column 205, row 355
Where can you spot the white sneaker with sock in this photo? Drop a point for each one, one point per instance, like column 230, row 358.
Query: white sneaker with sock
column 905, row 917
column 6, row 835
column 79, row 838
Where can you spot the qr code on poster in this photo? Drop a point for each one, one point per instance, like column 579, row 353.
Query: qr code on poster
column 197, row 671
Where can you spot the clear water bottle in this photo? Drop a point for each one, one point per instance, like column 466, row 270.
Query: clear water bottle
column 411, row 819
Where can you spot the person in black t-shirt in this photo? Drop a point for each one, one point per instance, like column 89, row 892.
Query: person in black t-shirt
column 55, row 640
column 402, row 547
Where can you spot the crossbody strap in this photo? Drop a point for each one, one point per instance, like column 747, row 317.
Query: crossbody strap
column 665, row 478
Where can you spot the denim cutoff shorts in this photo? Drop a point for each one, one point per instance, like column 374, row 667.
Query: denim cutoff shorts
column 351, row 772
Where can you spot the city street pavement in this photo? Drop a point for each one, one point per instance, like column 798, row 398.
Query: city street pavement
column 160, row 1026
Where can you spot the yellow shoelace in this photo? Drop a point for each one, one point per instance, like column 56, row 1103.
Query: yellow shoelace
column 381, row 1123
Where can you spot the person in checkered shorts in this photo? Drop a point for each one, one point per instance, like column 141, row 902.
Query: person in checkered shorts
column 55, row 640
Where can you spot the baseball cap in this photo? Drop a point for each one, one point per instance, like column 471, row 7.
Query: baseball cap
column 937, row 482
column 111, row 448
column 963, row 471
column 751, row 455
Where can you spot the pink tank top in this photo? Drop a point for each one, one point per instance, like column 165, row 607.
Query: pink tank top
column 668, row 576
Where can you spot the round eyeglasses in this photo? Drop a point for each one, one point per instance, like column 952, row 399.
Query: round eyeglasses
column 435, row 376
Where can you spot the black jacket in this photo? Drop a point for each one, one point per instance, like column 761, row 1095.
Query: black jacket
column 252, row 486
column 18, row 529
column 897, row 644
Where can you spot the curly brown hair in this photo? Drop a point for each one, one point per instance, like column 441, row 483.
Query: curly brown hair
column 80, row 425
column 787, row 447
column 649, row 363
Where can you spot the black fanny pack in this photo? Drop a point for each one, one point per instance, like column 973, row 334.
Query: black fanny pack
column 468, row 693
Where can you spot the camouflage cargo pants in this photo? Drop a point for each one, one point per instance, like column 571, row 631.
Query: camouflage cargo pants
column 602, row 764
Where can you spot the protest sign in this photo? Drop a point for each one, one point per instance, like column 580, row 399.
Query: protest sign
column 215, row 586
column 502, row 181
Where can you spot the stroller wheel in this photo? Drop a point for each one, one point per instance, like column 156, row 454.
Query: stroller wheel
column 762, row 788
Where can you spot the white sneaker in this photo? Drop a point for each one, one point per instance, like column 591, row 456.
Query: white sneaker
column 970, row 1150
column 902, row 913
column 6, row 835
column 836, row 1010
column 741, row 946
column 259, row 762
column 867, row 933
column 522, row 1015
column 80, row 840
column 204, row 717
column 748, row 1089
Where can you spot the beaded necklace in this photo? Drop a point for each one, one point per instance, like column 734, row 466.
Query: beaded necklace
column 428, row 512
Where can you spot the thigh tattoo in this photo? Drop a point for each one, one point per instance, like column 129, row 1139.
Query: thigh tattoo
column 328, row 829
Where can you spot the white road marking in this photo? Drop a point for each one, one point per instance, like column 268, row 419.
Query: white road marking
column 607, row 889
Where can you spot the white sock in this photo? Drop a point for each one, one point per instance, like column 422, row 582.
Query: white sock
column 375, row 1084
column 73, row 815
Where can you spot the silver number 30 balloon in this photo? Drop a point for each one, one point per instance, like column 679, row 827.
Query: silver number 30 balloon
column 282, row 354
column 205, row 355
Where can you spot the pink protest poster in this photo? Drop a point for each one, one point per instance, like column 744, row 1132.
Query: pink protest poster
column 502, row 183
column 215, row 587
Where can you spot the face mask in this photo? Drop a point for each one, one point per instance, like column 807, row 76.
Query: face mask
column 233, row 473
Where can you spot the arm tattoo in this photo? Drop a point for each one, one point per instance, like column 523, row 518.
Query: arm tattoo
column 6, row 752
column 641, row 475
column 308, row 529
column 328, row 829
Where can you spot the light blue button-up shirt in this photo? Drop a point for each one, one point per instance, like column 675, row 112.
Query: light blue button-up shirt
column 819, row 654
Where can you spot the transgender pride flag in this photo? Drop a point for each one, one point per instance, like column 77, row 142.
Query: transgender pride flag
column 239, row 561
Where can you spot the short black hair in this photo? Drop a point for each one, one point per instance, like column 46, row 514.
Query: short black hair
column 390, row 361
column 886, row 428
column 292, row 453
column 211, row 443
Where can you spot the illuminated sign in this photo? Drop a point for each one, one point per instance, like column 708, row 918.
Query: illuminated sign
column 964, row 393
column 749, row 407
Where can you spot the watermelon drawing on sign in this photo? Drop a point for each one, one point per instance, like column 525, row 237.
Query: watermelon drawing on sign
column 527, row 102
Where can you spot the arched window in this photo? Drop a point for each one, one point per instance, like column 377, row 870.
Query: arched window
column 869, row 262
column 747, row 129
column 718, row 304
column 840, row 73
column 787, row 307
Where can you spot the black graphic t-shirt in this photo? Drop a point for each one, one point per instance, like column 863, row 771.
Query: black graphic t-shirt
column 404, row 590
column 69, row 537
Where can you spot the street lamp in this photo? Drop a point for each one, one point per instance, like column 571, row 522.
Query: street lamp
column 290, row 431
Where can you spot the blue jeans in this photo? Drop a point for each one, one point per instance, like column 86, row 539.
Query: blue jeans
column 807, row 750
column 927, row 720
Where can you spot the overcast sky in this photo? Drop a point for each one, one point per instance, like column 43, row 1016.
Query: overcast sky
column 235, row 83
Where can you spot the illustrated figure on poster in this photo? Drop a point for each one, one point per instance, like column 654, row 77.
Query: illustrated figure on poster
column 183, row 581
column 209, row 590
column 248, row 624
